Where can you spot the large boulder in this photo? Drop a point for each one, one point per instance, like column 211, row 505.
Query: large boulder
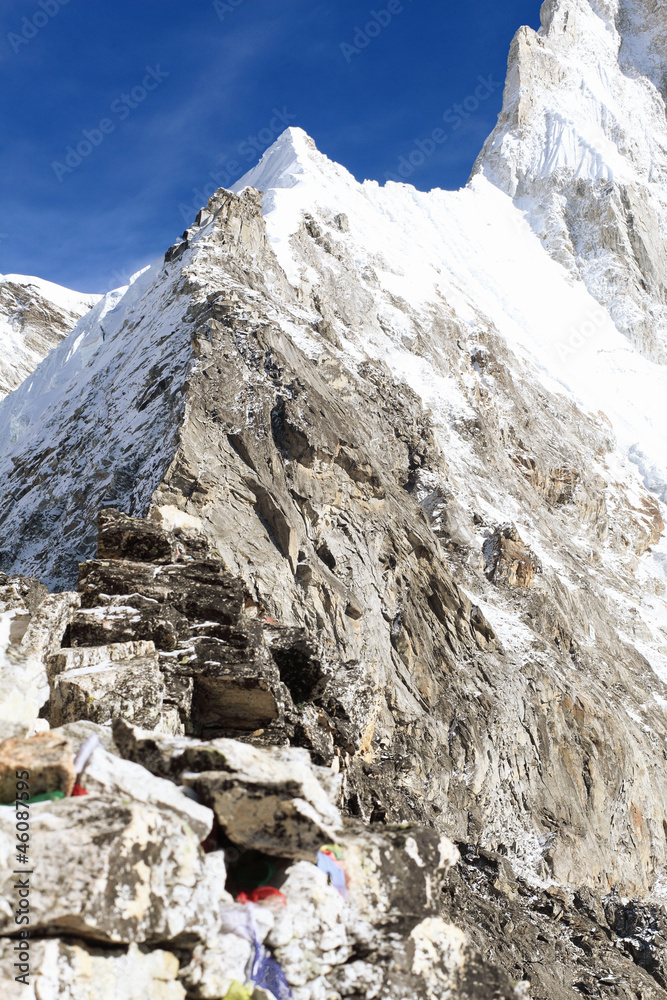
column 235, row 682
column 202, row 590
column 47, row 757
column 132, row 687
column 212, row 970
column 108, row 774
column 272, row 800
column 32, row 623
column 113, row 870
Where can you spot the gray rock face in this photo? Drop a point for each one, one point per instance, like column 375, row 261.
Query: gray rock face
column 395, row 670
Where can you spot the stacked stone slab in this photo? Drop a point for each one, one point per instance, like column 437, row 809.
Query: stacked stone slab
column 165, row 637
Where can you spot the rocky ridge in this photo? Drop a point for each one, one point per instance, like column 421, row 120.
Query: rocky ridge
column 127, row 896
column 129, row 901
column 326, row 489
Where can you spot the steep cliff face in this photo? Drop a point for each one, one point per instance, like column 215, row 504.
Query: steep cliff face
column 35, row 315
column 581, row 145
column 409, row 437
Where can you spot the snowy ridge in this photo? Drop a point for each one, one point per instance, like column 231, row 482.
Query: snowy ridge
column 64, row 298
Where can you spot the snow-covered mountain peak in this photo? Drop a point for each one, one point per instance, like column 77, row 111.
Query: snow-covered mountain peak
column 292, row 154
column 634, row 32
column 293, row 158
column 359, row 392
column 581, row 146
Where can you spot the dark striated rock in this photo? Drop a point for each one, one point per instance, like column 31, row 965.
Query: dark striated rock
column 131, row 620
column 200, row 590
column 235, row 687
column 123, row 537
column 564, row 944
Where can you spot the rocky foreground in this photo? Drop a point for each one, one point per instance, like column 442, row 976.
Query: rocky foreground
column 351, row 510
column 154, row 883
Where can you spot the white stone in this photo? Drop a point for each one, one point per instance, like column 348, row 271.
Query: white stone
column 74, row 970
column 114, row 870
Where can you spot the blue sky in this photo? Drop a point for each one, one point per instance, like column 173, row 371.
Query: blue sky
column 158, row 95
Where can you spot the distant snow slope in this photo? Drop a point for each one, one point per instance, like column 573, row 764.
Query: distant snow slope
column 96, row 392
column 34, row 316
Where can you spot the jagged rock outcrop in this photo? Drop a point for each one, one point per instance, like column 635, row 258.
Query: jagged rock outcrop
column 128, row 896
column 69, row 969
column 287, row 812
column 508, row 561
column 512, row 718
